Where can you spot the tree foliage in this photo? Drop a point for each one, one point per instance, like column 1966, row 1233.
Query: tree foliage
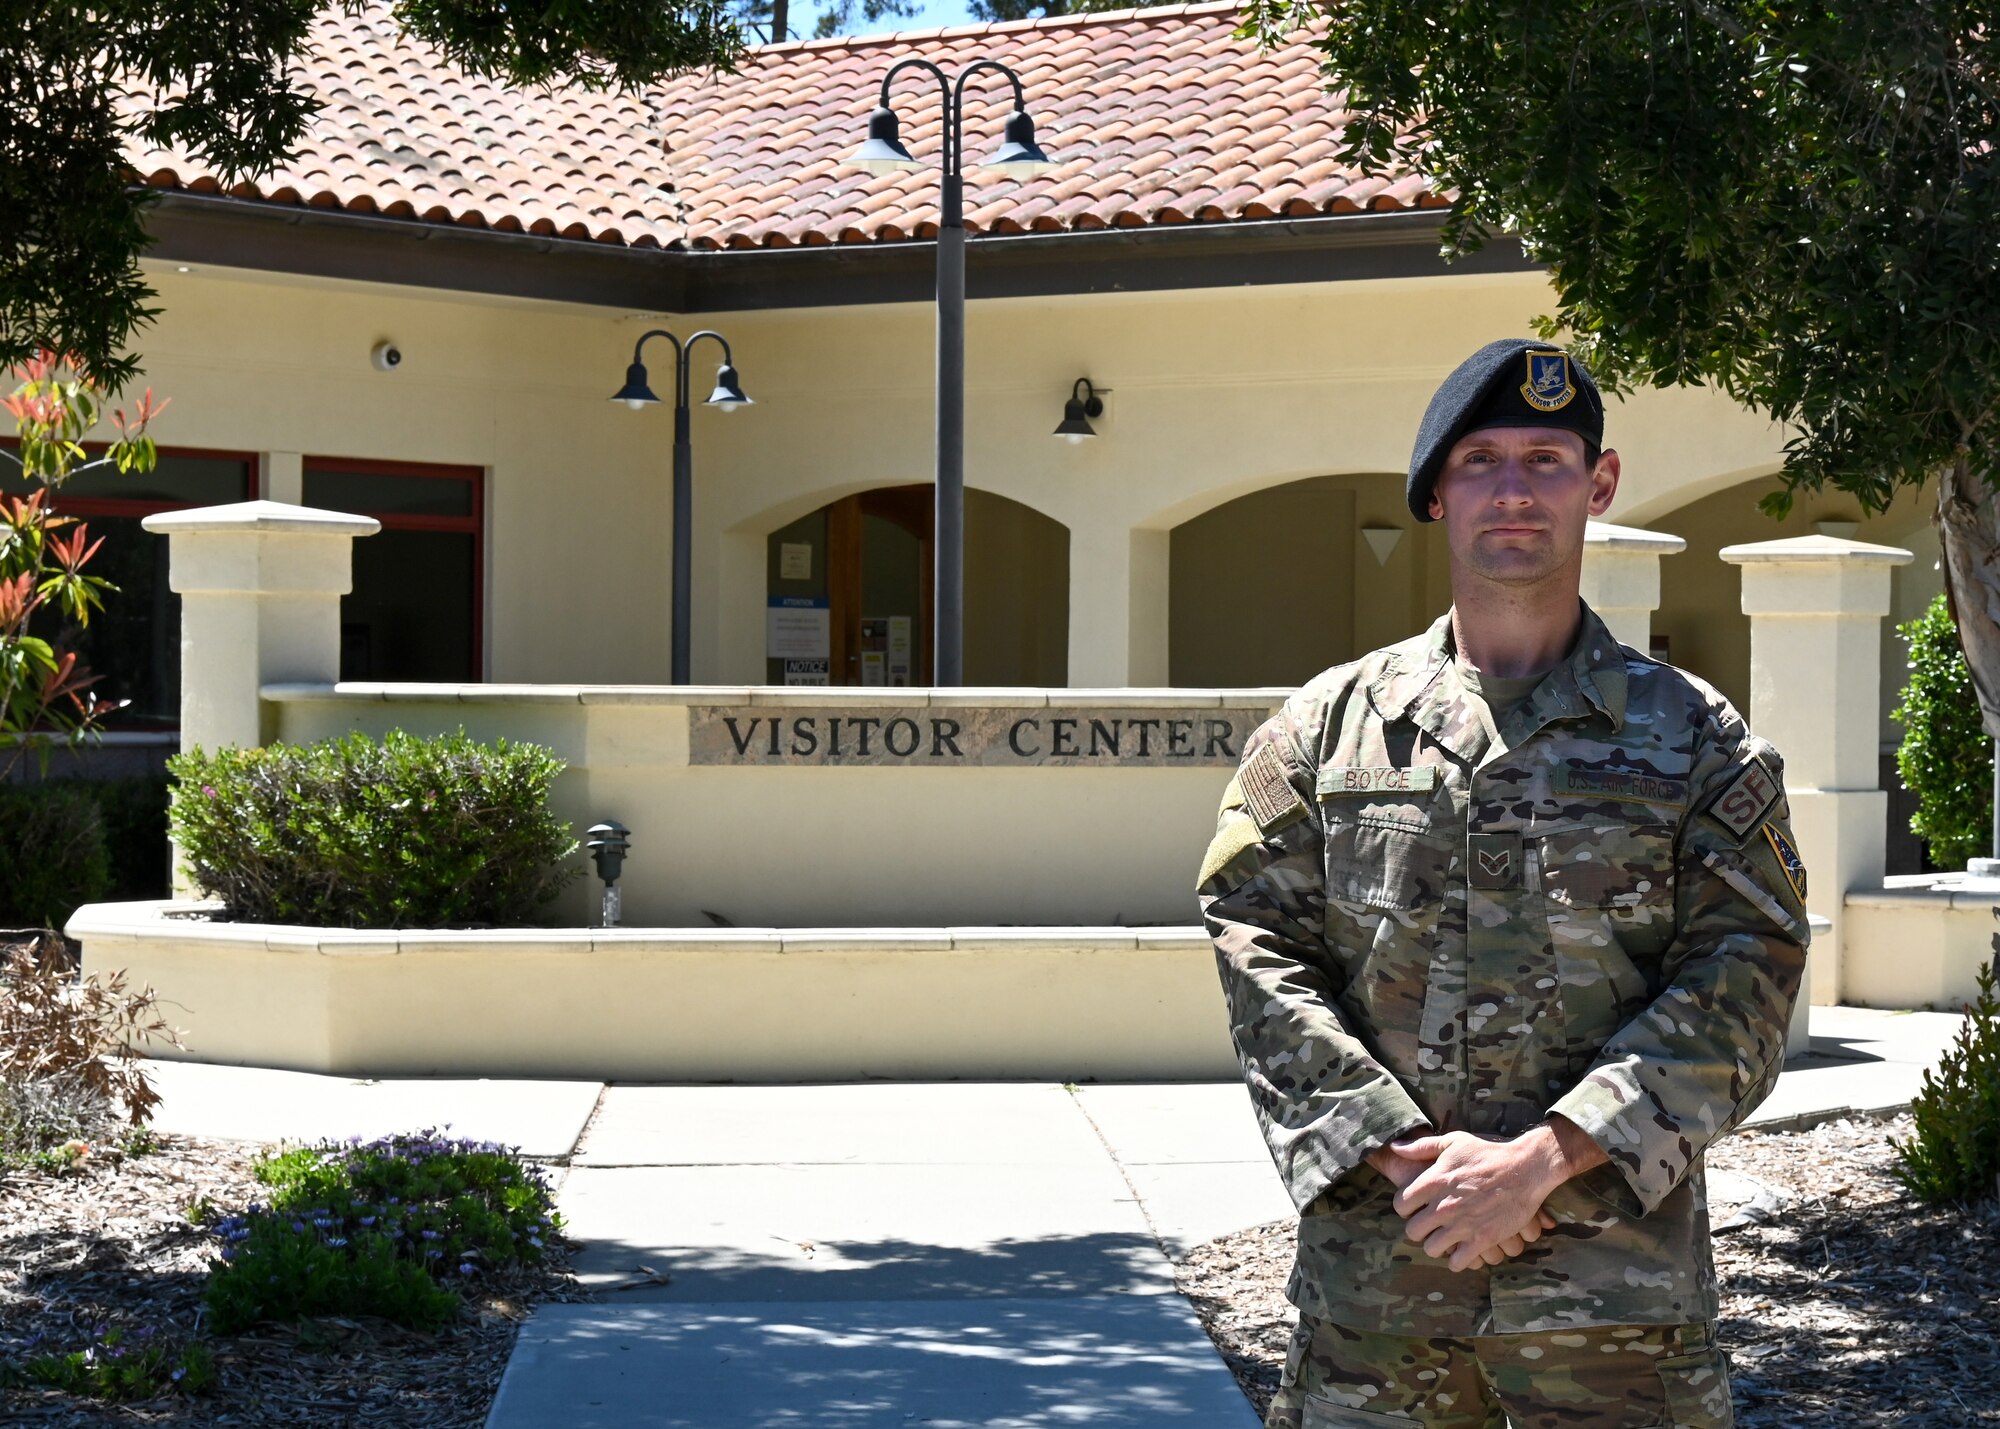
column 1945, row 758
column 1796, row 203
column 80, row 83
column 772, row 20
column 45, row 690
column 1041, row 9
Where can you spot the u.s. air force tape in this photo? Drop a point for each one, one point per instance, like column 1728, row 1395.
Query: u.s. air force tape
column 1267, row 792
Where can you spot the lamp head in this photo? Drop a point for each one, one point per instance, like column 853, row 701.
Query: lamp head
column 728, row 394
column 635, row 393
column 1083, row 404
column 1018, row 152
column 883, row 151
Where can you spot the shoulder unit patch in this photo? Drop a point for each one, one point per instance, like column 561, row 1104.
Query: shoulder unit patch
column 1267, row 791
column 1746, row 800
column 1788, row 860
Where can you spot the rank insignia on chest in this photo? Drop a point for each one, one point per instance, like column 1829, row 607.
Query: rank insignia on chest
column 1493, row 860
column 1338, row 779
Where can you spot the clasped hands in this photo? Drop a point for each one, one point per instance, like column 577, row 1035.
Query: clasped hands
column 1478, row 1200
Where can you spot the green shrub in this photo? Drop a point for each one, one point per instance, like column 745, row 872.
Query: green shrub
column 408, row 833
column 122, row 1365
column 1954, row 1154
column 1946, row 758
column 389, row 1228
column 52, row 853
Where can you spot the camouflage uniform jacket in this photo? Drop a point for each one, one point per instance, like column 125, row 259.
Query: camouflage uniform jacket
column 1599, row 914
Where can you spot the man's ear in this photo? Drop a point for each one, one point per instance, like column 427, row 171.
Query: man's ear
column 1433, row 505
column 1604, row 482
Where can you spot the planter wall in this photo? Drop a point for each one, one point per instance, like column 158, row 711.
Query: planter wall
column 704, row 1005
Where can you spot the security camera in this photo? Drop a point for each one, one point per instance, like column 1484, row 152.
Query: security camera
column 386, row 356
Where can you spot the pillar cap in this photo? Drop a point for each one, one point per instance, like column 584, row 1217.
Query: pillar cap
column 1602, row 535
column 277, row 517
column 1797, row 550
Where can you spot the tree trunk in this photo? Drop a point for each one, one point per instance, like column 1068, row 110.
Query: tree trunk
column 778, row 17
column 1968, row 526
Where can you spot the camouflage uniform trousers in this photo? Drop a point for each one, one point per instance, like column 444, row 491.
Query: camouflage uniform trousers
column 1601, row 1377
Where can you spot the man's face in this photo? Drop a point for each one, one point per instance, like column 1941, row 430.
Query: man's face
column 1514, row 501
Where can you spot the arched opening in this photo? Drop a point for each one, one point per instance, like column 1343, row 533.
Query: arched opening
column 1701, row 627
column 850, row 599
column 1272, row 587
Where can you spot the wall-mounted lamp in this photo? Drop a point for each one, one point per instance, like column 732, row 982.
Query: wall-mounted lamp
column 607, row 844
column 1083, row 404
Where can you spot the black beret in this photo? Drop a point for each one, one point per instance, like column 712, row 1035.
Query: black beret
column 1515, row 382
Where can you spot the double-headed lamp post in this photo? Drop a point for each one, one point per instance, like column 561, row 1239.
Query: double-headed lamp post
column 1017, row 154
column 727, row 397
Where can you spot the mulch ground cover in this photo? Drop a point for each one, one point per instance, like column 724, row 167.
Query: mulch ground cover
column 1845, row 1304
column 110, row 1244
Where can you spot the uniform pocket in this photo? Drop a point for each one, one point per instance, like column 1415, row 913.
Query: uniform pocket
column 1697, row 1387
column 1620, row 867
column 1325, row 1414
column 1385, row 865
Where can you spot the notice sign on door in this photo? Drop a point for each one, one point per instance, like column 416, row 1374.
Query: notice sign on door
column 806, row 672
column 798, row 627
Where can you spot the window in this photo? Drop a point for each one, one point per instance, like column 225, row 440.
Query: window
column 134, row 644
column 415, row 611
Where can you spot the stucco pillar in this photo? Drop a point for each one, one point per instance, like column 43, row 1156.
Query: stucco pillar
column 1117, row 607
column 1621, row 577
column 281, row 476
column 1816, row 605
column 260, row 584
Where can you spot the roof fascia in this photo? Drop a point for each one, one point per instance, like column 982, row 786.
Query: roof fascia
column 1243, row 253
column 323, row 243
column 238, row 233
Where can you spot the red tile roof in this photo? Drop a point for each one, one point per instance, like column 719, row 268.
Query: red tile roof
column 1158, row 117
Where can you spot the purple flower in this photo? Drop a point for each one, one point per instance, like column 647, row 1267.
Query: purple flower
column 178, row 1373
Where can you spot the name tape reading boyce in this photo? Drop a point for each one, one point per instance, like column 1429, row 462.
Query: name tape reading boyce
column 961, row 737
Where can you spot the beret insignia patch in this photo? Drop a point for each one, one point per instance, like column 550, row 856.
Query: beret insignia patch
column 1788, row 860
column 1268, row 791
column 1548, row 388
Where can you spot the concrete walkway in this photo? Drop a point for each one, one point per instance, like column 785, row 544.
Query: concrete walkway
column 895, row 1254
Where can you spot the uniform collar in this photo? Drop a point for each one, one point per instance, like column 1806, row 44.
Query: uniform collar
column 1412, row 681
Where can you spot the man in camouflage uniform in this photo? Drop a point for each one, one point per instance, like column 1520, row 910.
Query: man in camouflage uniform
column 1510, row 924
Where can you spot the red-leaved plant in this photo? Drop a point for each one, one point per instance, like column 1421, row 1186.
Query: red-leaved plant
column 45, row 691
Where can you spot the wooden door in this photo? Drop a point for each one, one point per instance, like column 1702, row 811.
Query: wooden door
column 879, row 546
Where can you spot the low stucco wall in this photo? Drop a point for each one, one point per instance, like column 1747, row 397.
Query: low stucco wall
column 1919, row 941
column 887, row 843
column 715, row 1005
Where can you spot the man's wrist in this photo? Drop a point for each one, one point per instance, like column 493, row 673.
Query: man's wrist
column 1561, row 1151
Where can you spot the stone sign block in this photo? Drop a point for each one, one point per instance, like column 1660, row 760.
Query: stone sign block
column 960, row 737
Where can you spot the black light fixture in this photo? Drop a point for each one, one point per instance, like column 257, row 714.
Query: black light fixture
column 637, row 394
column 607, row 844
column 1018, row 153
column 1083, row 404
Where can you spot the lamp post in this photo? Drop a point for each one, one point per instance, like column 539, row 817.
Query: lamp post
column 727, row 397
column 884, row 153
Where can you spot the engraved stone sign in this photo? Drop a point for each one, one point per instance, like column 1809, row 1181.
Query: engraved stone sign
column 961, row 737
